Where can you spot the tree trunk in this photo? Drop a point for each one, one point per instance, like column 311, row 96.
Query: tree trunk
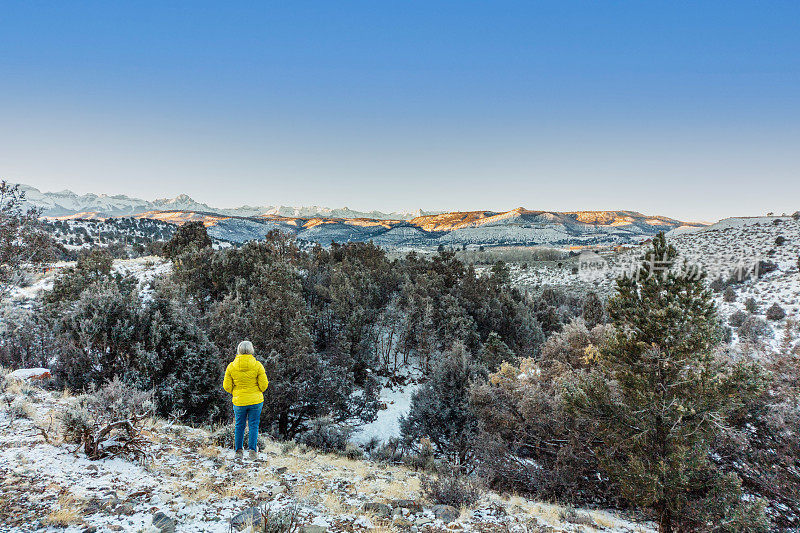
column 665, row 519
column 283, row 424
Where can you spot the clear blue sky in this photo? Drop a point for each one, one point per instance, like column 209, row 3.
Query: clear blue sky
column 687, row 109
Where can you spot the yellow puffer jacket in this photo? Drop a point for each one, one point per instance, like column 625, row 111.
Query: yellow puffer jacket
column 246, row 379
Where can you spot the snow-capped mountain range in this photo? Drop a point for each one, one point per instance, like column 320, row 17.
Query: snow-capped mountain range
column 518, row 227
column 67, row 203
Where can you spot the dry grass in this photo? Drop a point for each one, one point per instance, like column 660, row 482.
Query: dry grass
column 235, row 489
column 334, row 503
column 604, row 520
column 12, row 386
column 69, row 512
column 356, row 468
column 548, row 512
column 262, row 475
column 464, row 513
column 51, row 427
column 22, row 408
column 270, row 446
column 186, row 469
column 294, row 462
column 205, row 490
column 209, row 451
column 305, row 490
column 399, row 487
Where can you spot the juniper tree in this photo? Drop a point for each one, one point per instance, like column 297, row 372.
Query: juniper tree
column 191, row 236
column 495, row 352
column 765, row 451
column 440, row 408
column 593, row 311
column 98, row 332
column 92, row 266
column 176, row 359
column 660, row 395
column 303, row 384
column 22, row 239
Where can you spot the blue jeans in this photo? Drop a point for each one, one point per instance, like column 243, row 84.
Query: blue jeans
column 252, row 415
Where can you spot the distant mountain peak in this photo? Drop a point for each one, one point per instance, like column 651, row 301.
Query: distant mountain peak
column 182, row 198
column 68, row 203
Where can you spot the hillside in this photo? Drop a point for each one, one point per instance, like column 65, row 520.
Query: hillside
column 478, row 228
column 475, row 228
column 192, row 484
column 79, row 232
column 721, row 249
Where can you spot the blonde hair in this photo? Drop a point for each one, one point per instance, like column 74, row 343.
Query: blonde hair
column 245, row 347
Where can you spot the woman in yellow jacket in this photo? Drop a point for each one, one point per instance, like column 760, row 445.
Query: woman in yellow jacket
column 246, row 380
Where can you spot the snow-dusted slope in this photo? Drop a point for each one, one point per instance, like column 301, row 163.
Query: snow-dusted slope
column 455, row 229
column 720, row 249
column 193, row 485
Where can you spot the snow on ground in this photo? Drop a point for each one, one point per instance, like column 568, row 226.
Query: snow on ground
column 40, row 281
column 54, row 487
column 145, row 269
column 387, row 425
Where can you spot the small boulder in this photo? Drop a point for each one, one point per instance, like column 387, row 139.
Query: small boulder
column 582, row 519
column 30, row 374
column 248, row 517
column 164, row 523
column 445, row 513
column 380, row 509
column 313, row 528
column 277, row 490
column 402, row 522
column 495, row 509
column 412, row 505
column 125, row 508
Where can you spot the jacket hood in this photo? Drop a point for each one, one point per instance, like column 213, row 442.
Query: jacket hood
column 244, row 361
